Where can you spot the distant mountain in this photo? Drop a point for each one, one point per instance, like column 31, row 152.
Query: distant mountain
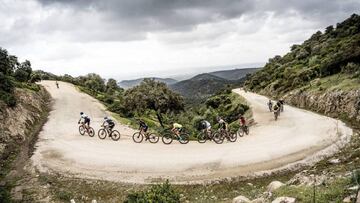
column 234, row 74
column 200, row 86
column 131, row 83
column 207, row 84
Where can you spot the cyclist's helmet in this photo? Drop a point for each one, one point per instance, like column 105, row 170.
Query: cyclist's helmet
column 81, row 113
column 105, row 118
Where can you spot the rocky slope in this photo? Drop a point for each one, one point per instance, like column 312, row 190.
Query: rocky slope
column 18, row 132
column 340, row 104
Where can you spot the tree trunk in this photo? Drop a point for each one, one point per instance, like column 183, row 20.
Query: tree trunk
column 159, row 117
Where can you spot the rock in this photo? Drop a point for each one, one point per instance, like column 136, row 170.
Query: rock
column 284, row 200
column 72, row 201
column 354, row 188
column 358, row 197
column 347, row 200
column 274, row 186
column 259, row 200
column 94, row 201
column 241, row 199
column 250, row 184
column 334, row 161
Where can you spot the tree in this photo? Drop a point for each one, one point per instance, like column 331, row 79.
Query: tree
column 23, row 72
column 153, row 95
column 112, row 86
column 94, row 82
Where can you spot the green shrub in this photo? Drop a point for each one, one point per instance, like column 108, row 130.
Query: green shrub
column 162, row 193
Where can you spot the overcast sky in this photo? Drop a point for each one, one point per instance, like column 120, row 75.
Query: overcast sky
column 131, row 38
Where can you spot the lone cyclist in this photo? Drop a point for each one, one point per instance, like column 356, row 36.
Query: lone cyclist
column 84, row 118
column 108, row 123
column 177, row 128
column 270, row 105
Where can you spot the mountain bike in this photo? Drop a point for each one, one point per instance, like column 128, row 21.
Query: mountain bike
column 276, row 114
column 220, row 135
column 139, row 136
column 104, row 131
column 243, row 130
column 205, row 135
column 169, row 136
column 86, row 129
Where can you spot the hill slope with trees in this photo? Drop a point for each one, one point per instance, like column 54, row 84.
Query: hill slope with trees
column 321, row 74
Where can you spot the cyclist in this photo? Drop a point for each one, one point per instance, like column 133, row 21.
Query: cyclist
column 85, row 118
column 243, row 125
column 222, row 123
column 281, row 101
column 108, row 123
column 242, row 121
column 143, row 126
column 57, row 84
column 177, row 128
column 270, row 105
column 276, row 109
column 206, row 126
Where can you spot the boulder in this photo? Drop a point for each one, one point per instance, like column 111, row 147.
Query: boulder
column 274, row 185
column 284, row 200
column 259, row 200
column 241, row 199
column 334, row 161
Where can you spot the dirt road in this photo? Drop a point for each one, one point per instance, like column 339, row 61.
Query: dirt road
column 297, row 137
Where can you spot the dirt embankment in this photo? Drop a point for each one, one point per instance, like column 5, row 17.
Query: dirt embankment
column 19, row 127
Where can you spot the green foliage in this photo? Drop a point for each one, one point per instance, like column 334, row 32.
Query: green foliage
column 23, row 72
column 162, row 193
column 12, row 73
column 333, row 192
column 152, row 95
column 322, row 55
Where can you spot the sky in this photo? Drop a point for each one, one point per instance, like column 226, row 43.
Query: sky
column 127, row 39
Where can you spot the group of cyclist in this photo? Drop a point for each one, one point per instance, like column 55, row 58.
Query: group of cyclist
column 176, row 127
column 277, row 107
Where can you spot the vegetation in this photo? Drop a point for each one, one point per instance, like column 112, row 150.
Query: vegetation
column 162, row 193
column 14, row 74
column 334, row 52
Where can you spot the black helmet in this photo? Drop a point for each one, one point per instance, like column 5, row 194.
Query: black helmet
column 81, row 113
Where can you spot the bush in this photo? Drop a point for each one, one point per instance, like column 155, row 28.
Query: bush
column 163, row 193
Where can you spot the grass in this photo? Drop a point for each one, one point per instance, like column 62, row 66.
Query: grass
column 333, row 192
column 335, row 82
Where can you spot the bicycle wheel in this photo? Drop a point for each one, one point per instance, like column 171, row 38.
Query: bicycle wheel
column 201, row 137
column 247, row 131
column 232, row 137
column 153, row 138
column 218, row 138
column 82, row 130
column 167, row 139
column 115, row 135
column 240, row 132
column 184, row 138
column 137, row 137
column 102, row 133
column 91, row 132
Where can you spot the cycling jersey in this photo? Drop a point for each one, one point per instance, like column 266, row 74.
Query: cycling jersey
column 242, row 121
column 85, row 118
column 143, row 126
column 109, row 121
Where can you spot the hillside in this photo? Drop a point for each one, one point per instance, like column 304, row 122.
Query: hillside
column 201, row 86
column 321, row 74
column 234, row 74
column 126, row 84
